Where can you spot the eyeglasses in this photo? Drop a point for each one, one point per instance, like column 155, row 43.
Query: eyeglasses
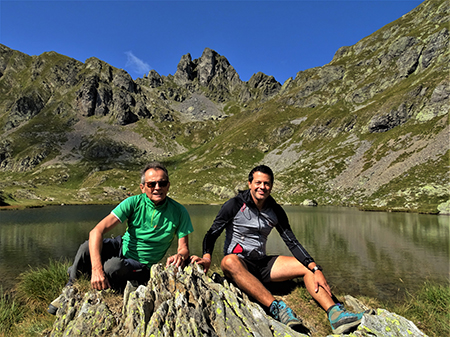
column 152, row 184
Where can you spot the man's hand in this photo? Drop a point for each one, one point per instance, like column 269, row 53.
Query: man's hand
column 320, row 281
column 176, row 260
column 99, row 280
column 204, row 261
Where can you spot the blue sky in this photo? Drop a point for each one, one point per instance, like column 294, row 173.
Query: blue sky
column 278, row 38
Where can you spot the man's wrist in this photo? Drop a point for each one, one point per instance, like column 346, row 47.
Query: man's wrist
column 316, row 268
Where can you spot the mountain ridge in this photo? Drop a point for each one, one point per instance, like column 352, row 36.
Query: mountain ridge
column 368, row 129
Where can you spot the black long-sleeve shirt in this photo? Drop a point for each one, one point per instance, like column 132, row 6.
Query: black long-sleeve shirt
column 247, row 229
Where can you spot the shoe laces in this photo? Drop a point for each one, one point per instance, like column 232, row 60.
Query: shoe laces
column 285, row 310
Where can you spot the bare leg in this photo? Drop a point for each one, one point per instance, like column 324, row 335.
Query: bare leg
column 234, row 268
column 288, row 267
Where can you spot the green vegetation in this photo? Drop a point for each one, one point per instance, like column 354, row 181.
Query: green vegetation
column 23, row 311
column 430, row 308
column 11, row 313
column 354, row 132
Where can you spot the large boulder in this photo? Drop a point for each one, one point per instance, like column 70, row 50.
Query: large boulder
column 188, row 303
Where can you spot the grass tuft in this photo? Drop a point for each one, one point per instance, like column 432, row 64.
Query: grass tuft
column 429, row 308
column 37, row 287
column 11, row 312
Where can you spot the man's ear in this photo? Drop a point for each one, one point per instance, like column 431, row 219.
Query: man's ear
column 141, row 186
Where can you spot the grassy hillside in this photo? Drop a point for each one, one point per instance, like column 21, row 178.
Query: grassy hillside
column 370, row 129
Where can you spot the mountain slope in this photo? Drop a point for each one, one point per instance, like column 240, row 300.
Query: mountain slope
column 368, row 129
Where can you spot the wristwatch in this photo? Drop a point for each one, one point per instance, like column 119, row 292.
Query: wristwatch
column 316, row 267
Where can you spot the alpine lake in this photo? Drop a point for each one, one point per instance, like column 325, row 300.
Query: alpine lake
column 378, row 254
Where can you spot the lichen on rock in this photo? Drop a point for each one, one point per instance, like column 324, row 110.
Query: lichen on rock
column 186, row 302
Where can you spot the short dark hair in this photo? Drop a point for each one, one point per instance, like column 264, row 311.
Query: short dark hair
column 155, row 166
column 263, row 169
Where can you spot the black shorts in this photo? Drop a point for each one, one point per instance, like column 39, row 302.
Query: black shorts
column 261, row 268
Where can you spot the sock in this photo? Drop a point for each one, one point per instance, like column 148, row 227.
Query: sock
column 272, row 306
column 330, row 308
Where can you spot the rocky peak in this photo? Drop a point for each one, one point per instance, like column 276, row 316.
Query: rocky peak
column 211, row 69
column 268, row 85
column 207, row 66
column 185, row 70
column 154, row 79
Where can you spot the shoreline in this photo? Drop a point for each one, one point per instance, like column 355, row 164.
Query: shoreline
column 360, row 208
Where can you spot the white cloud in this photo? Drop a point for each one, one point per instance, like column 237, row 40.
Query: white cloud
column 137, row 65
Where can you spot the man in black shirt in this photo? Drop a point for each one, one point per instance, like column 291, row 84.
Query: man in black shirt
column 248, row 219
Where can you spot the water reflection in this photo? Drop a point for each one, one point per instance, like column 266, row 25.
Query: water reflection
column 369, row 253
column 373, row 253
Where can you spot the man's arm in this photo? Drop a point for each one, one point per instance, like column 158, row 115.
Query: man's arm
column 98, row 279
column 182, row 253
column 208, row 245
column 299, row 251
column 225, row 215
column 289, row 238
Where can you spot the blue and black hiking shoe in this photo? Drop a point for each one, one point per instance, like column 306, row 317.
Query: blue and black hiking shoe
column 281, row 312
column 341, row 320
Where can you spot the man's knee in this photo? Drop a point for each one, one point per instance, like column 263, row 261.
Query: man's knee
column 83, row 249
column 115, row 267
column 230, row 264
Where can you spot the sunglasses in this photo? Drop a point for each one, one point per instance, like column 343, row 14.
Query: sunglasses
column 152, row 184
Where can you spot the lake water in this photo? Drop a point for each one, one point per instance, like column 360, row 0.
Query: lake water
column 376, row 254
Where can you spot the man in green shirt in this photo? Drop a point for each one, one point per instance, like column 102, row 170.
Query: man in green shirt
column 154, row 219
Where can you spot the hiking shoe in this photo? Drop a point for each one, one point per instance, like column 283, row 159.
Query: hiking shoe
column 281, row 312
column 341, row 320
column 55, row 305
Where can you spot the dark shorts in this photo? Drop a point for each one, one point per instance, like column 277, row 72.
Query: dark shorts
column 261, row 268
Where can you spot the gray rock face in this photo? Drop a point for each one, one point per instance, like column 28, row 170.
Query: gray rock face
column 267, row 84
column 154, row 78
column 309, row 202
column 24, row 109
column 174, row 303
column 185, row 70
column 387, row 324
column 444, row 208
column 188, row 303
column 390, row 120
column 211, row 71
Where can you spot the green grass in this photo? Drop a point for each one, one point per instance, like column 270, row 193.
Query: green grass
column 23, row 311
column 429, row 308
column 40, row 286
column 11, row 313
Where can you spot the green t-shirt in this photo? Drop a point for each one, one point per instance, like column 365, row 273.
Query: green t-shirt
column 151, row 229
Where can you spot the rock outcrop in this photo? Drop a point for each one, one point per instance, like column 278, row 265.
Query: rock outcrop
column 188, row 303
